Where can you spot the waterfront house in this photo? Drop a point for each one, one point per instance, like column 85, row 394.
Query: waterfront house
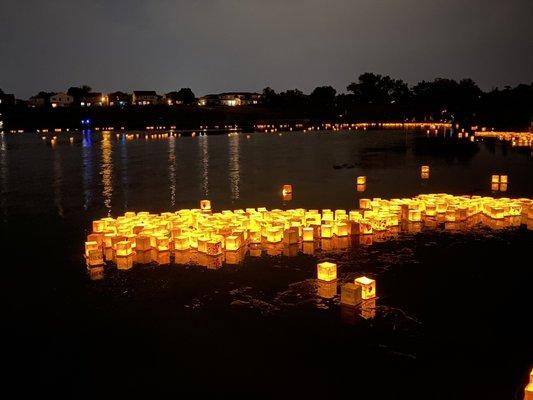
column 93, row 99
column 61, row 100
column 231, row 99
column 172, row 98
column 119, row 99
column 145, row 97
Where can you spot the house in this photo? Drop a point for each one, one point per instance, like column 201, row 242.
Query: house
column 119, row 99
column 37, row 101
column 93, row 99
column 172, row 99
column 209, row 100
column 230, row 99
column 144, row 97
column 61, row 100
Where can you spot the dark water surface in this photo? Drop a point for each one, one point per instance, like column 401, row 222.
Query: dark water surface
column 451, row 320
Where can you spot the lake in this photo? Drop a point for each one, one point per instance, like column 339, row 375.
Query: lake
column 448, row 302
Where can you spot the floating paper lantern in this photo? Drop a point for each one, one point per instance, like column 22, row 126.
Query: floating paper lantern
column 341, row 229
column 142, row 243
column 123, row 248
column 232, row 243
column 291, row 236
column 286, row 190
column 181, row 243
column 495, row 179
column 368, row 287
column 326, row 271
column 503, row 179
column 308, row 234
column 91, row 245
column 326, row 231
column 365, row 204
column 424, row 169
column 351, row 294
column 205, row 205
column 274, row 234
column 361, row 180
column 98, row 226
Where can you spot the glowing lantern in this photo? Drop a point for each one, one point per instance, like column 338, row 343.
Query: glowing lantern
column 214, row 247
column 274, row 234
column 503, row 179
column 232, row 242
column 341, row 229
column 368, row 287
column 326, row 231
column 90, row 246
column 181, row 243
column 308, row 234
column 162, row 243
column 495, row 179
column 123, row 248
column 424, row 169
column 365, row 204
column 351, row 294
column 326, row 271
column 98, row 226
column 142, row 243
column 361, row 180
column 286, row 190
column 205, row 205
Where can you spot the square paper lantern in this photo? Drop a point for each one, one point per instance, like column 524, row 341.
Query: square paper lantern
column 368, row 287
column 142, row 243
column 290, row 236
column 232, row 242
column 205, row 205
column 361, row 180
column 326, row 231
column 341, row 229
column 351, row 294
column 326, row 271
column 495, row 179
column 181, row 242
column 123, row 248
column 274, row 234
column 503, row 179
column 90, row 246
column 424, row 169
column 308, row 234
column 214, row 247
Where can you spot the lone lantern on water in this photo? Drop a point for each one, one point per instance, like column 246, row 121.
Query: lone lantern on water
column 361, row 180
column 368, row 287
column 351, row 294
column 286, row 190
column 326, row 271
column 205, row 205
column 424, row 169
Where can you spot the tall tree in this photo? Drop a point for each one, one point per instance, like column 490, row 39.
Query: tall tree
column 378, row 89
column 186, row 96
column 323, row 96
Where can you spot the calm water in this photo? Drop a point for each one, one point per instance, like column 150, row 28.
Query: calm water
column 447, row 302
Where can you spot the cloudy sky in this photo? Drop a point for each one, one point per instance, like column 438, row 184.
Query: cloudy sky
column 219, row 45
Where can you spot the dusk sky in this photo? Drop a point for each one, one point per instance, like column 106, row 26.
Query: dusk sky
column 220, row 45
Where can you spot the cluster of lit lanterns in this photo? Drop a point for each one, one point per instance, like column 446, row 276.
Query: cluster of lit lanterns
column 204, row 237
column 517, row 139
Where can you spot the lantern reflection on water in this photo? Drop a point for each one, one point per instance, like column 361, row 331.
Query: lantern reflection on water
column 351, row 294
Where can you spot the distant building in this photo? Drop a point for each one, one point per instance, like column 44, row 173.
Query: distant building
column 61, row 100
column 93, row 99
column 119, row 99
column 231, row 99
column 172, row 99
column 37, row 101
column 145, row 97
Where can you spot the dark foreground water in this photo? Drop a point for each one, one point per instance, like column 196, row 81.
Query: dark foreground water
column 452, row 319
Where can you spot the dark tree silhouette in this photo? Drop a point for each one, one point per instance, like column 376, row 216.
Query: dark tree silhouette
column 323, row 96
column 377, row 89
column 186, row 96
